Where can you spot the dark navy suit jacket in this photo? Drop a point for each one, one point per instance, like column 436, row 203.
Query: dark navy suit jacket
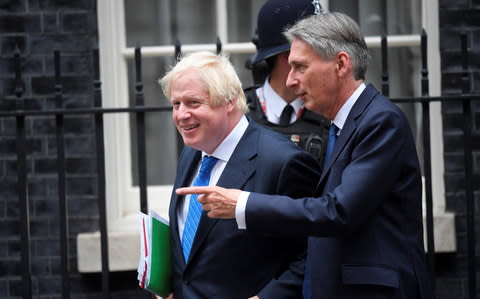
column 365, row 221
column 226, row 262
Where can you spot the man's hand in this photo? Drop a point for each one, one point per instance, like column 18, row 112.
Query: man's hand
column 218, row 202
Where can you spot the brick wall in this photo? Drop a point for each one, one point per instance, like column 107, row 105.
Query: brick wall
column 38, row 28
column 457, row 16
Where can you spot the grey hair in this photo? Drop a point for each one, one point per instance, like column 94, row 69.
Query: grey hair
column 330, row 33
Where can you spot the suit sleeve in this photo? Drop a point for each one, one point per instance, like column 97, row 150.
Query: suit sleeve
column 379, row 160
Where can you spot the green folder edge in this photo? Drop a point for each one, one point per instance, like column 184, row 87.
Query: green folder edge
column 161, row 264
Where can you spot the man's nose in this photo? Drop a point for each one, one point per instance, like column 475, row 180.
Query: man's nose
column 183, row 112
column 291, row 80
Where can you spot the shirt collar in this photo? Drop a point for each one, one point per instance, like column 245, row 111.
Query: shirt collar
column 342, row 114
column 227, row 146
column 276, row 103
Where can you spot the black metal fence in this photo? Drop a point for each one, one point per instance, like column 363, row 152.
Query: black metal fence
column 98, row 113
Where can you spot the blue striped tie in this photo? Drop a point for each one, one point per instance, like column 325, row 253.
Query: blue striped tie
column 307, row 284
column 195, row 208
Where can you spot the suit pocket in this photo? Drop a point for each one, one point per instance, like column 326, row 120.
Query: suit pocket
column 370, row 275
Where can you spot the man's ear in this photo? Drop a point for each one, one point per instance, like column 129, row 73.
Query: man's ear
column 231, row 104
column 343, row 63
column 283, row 57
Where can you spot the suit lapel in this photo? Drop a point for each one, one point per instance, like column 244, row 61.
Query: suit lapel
column 349, row 127
column 238, row 170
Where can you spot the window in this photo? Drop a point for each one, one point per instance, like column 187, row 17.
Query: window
column 156, row 25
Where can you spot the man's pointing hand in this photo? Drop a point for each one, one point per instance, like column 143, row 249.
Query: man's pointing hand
column 217, row 201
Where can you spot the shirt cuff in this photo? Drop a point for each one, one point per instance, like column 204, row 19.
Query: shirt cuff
column 240, row 209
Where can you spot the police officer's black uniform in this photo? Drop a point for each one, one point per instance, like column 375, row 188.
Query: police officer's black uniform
column 310, row 130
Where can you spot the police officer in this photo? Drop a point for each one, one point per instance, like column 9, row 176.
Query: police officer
column 272, row 104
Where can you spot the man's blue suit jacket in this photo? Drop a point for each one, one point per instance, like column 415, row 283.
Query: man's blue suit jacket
column 226, row 262
column 365, row 221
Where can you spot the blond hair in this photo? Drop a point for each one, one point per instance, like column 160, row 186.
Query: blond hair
column 218, row 75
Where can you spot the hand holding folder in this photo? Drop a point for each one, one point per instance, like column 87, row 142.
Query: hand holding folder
column 155, row 265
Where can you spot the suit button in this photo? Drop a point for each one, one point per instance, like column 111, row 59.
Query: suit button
column 187, row 282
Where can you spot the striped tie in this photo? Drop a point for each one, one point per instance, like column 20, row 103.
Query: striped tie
column 195, row 208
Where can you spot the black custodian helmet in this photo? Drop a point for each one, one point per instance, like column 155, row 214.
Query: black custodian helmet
column 274, row 17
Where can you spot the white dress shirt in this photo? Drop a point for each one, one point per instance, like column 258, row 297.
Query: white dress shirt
column 339, row 121
column 223, row 153
column 274, row 104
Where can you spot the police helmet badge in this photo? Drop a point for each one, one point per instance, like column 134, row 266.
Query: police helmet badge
column 318, row 7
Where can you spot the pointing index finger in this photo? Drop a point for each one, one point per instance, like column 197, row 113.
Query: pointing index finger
column 192, row 190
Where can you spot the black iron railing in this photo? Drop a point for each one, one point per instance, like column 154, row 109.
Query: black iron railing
column 98, row 113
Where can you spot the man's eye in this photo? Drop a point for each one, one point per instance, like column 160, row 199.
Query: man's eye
column 295, row 68
column 194, row 103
